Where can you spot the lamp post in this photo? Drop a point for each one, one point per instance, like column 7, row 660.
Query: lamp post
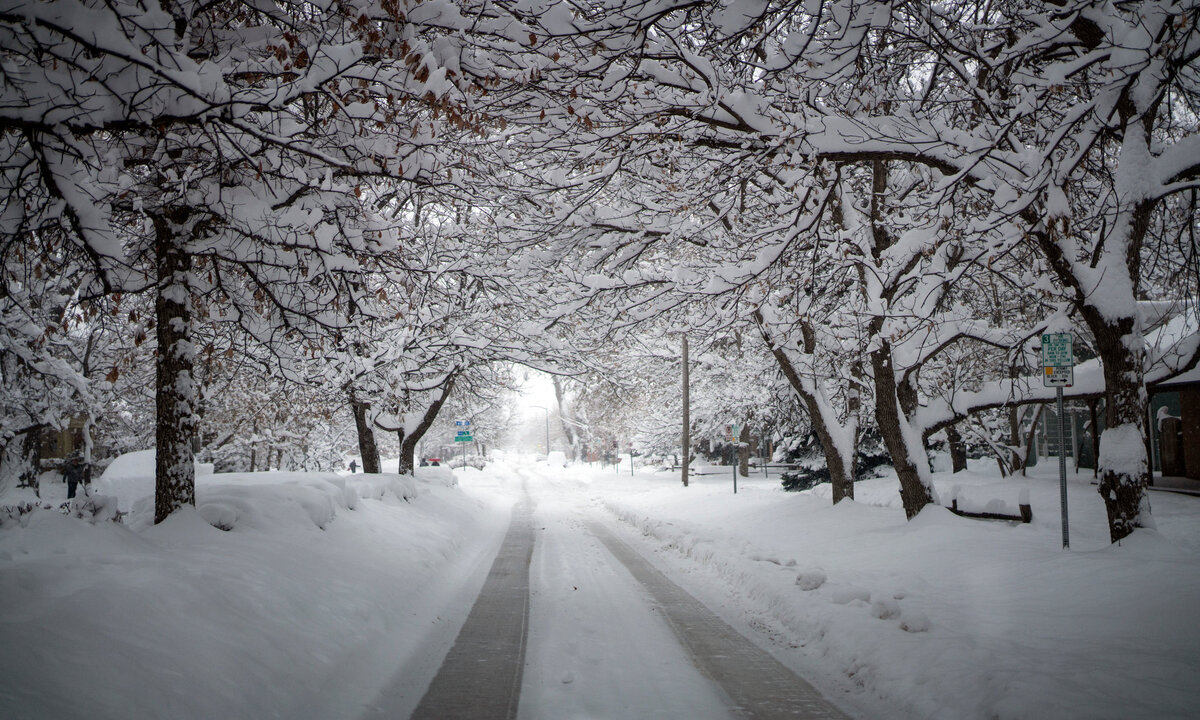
column 539, row 407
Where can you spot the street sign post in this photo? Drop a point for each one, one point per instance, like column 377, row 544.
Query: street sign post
column 1058, row 371
column 734, row 431
column 463, row 436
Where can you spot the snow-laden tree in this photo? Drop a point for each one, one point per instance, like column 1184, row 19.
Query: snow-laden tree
column 1084, row 125
column 220, row 154
column 43, row 384
column 764, row 222
column 1066, row 126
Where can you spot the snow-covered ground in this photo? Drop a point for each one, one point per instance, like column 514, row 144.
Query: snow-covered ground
column 945, row 616
column 321, row 588
column 329, row 592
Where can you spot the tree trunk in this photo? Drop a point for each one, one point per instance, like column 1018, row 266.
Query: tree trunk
column 1092, row 403
column 568, row 430
column 840, row 457
column 958, row 449
column 1030, row 441
column 915, row 492
column 20, row 458
column 1015, row 441
column 1122, row 464
column 408, row 443
column 366, row 435
column 743, row 451
column 175, row 392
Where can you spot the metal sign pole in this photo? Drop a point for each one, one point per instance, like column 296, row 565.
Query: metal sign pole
column 1062, row 469
column 1058, row 367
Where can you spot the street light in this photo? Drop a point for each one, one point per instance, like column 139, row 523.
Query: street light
column 539, row 407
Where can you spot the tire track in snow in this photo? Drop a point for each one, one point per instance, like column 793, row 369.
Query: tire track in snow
column 761, row 687
column 480, row 679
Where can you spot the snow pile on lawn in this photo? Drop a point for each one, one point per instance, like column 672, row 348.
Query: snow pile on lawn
column 946, row 617
column 260, row 499
column 131, row 476
column 281, row 595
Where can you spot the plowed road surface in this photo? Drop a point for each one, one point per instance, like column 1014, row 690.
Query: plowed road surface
column 573, row 622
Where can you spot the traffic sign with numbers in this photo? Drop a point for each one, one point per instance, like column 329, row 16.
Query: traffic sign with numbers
column 1058, row 360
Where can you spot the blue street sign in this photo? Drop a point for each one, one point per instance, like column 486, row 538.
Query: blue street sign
column 461, row 423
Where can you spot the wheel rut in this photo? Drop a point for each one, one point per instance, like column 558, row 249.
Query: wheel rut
column 760, row 686
column 481, row 676
column 480, row 679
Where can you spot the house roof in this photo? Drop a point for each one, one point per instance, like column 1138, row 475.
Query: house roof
column 1190, row 377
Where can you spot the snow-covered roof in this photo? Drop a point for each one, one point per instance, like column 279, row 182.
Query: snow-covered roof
column 1187, row 378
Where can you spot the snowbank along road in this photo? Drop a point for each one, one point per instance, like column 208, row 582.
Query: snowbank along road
column 572, row 622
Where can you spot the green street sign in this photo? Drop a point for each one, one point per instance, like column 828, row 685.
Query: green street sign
column 464, row 438
column 1057, row 350
column 1058, row 360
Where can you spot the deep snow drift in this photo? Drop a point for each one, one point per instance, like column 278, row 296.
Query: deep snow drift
column 317, row 590
column 325, row 591
column 944, row 616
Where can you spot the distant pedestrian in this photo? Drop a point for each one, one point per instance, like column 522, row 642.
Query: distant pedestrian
column 353, row 466
column 74, row 472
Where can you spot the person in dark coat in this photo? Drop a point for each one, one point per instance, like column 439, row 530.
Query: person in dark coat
column 353, row 466
column 74, row 472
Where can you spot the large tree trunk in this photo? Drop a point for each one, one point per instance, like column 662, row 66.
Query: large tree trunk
column 905, row 450
column 1111, row 313
column 175, row 391
column 366, row 434
column 568, row 429
column 839, row 443
column 1123, row 466
column 408, row 442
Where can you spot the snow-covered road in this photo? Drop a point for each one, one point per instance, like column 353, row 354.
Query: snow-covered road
column 608, row 635
column 480, row 678
column 598, row 648
column 327, row 597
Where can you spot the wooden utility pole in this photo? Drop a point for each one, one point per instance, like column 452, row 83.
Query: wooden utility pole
column 687, row 419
